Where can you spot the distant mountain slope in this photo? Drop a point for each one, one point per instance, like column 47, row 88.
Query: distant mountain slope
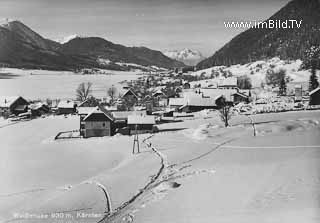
column 187, row 56
column 262, row 43
column 22, row 47
column 96, row 47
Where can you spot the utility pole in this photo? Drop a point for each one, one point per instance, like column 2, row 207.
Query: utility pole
column 136, row 140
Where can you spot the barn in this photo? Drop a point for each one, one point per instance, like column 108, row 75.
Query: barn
column 97, row 123
column 13, row 105
column 240, row 97
column 66, row 107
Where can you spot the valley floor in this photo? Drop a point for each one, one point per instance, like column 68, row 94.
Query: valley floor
column 201, row 173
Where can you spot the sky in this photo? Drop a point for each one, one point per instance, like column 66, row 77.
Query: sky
column 156, row 24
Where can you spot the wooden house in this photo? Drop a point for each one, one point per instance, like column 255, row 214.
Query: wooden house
column 66, row 107
column 315, row 97
column 141, row 123
column 38, row 109
column 194, row 104
column 129, row 95
column 97, row 123
column 13, row 105
column 240, row 97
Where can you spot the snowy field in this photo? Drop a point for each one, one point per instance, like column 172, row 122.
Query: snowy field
column 55, row 84
column 201, row 173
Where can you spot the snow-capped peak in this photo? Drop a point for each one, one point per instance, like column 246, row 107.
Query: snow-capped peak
column 187, row 56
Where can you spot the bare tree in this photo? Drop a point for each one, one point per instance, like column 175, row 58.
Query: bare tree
column 112, row 92
column 83, row 91
column 225, row 114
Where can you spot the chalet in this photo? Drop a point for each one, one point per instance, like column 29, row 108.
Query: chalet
column 97, row 123
column 315, row 97
column 130, row 95
column 141, row 123
column 240, row 97
column 13, row 105
column 228, row 83
column 194, row 104
column 66, row 107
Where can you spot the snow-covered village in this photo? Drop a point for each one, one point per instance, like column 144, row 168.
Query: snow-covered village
column 93, row 131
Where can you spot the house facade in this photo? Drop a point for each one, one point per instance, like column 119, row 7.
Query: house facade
column 141, row 123
column 97, row 123
column 13, row 105
column 66, row 107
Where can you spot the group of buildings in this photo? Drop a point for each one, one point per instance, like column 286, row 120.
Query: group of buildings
column 103, row 120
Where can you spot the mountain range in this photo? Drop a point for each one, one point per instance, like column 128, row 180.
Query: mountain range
column 264, row 43
column 22, row 47
column 187, row 56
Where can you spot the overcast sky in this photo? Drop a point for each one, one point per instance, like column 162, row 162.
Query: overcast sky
column 157, row 24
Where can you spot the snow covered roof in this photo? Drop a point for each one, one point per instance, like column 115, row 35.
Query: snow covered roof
column 215, row 93
column 7, row 101
column 141, row 119
column 99, row 110
column 85, row 110
column 125, row 114
column 66, row 104
column 177, row 101
column 199, row 101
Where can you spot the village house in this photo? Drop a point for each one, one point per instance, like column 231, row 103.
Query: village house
column 39, row 108
column 66, row 107
column 97, row 123
column 240, row 97
column 129, row 95
column 315, row 97
column 141, row 124
column 13, row 105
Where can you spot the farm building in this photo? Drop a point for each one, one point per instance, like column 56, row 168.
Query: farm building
column 121, row 117
column 97, row 123
column 130, row 95
column 315, row 97
column 141, row 123
column 13, row 105
column 240, row 97
column 39, row 109
column 66, row 107
column 194, row 104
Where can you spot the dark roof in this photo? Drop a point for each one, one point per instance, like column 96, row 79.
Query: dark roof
column 314, row 91
column 241, row 94
column 129, row 92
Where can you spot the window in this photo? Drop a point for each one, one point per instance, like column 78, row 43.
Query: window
column 103, row 124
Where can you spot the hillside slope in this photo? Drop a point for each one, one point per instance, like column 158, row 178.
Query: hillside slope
column 262, row 43
column 22, row 47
